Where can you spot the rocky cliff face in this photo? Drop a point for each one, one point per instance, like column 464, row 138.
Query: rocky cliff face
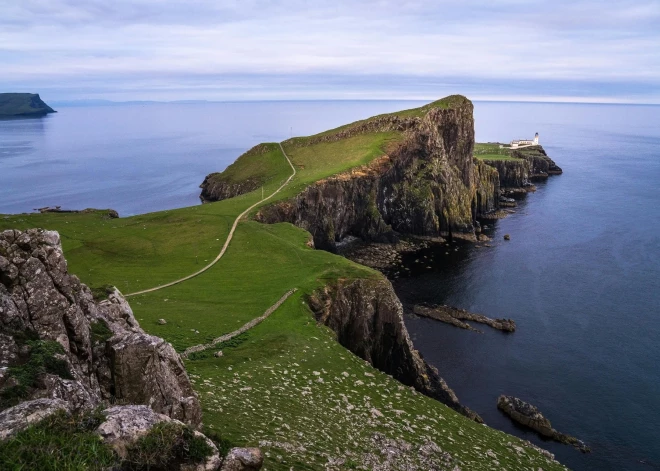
column 531, row 164
column 86, row 353
column 430, row 185
column 219, row 186
column 367, row 317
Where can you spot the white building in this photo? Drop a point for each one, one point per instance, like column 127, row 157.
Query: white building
column 526, row 142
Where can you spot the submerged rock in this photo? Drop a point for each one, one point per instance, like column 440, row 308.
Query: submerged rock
column 456, row 316
column 528, row 415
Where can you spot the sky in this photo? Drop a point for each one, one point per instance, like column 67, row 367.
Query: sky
column 122, row 50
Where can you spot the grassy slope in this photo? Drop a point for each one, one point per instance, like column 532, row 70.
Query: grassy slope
column 492, row 151
column 255, row 393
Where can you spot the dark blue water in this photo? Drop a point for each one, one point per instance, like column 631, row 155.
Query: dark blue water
column 581, row 274
column 581, row 278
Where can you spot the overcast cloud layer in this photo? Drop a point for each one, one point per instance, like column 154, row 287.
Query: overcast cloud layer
column 296, row 49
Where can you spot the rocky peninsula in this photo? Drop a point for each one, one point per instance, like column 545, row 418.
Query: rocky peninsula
column 23, row 104
column 428, row 186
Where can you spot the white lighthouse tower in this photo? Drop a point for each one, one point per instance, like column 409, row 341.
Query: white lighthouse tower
column 536, row 139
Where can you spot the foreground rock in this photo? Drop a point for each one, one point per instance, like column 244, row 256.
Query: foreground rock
column 243, row 459
column 124, row 425
column 456, row 316
column 528, row 415
column 27, row 413
column 104, row 354
column 367, row 317
column 62, row 350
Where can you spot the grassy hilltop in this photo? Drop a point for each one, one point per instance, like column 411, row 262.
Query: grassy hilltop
column 285, row 385
column 23, row 104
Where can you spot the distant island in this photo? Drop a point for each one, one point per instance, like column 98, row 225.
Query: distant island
column 23, row 104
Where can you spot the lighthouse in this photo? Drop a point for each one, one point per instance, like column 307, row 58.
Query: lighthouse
column 536, row 139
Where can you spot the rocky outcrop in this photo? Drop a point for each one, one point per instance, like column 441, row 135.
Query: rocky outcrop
column 243, row 459
column 456, row 316
column 17, row 418
column 512, row 173
column 124, row 425
column 428, row 185
column 540, row 165
column 528, row 164
column 219, row 186
column 528, row 415
column 367, row 317
column 84, row 352
column 215, row 188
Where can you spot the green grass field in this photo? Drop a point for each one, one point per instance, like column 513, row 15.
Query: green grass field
column 286, row 385
column 492, row 151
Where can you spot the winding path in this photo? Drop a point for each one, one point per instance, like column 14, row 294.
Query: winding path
column 229, row 237
column 245, row 328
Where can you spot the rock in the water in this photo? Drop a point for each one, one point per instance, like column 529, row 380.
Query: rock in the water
column 507, row 237
column 19, row 417
column 456, row 316
column 243, row 459
column 528, row 415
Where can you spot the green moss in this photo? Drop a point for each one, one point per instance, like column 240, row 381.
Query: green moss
column 102, row 292
column 100, row 331
column 165, row 446
column 41, row 359
column 59, row 442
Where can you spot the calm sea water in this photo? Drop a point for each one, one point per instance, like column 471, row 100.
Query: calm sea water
column 581, row 274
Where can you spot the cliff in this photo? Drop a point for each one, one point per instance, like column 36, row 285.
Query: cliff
column 367, row 317
column 525, row 166
column 23, row 104
column 251, row 170
column 429, row 184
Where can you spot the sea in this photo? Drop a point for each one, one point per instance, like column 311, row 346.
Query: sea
column 580, row 274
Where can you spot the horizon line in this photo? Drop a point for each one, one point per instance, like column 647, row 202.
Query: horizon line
column 100, row 101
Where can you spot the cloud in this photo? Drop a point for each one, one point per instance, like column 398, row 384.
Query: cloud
column 151, row 48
